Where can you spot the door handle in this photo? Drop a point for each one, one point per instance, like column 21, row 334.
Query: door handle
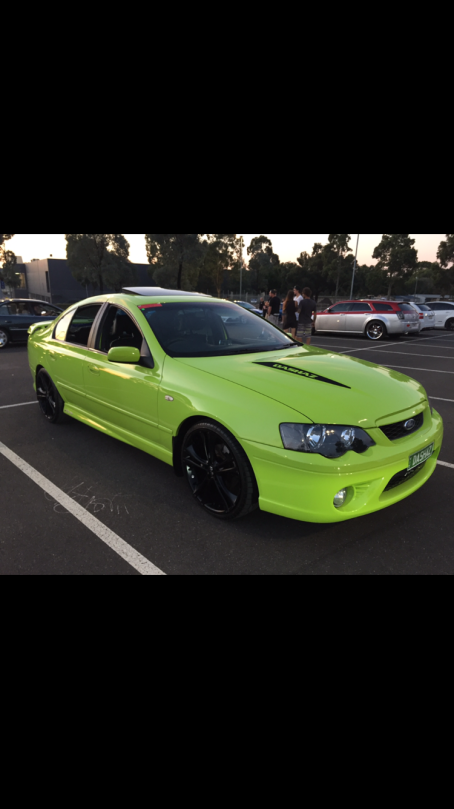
column 93, row 369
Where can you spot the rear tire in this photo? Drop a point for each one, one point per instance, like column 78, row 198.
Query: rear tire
column 4, row 338
column 49, row 399
column 376, row 330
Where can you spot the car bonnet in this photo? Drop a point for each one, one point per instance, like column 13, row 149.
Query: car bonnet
column 322, row 386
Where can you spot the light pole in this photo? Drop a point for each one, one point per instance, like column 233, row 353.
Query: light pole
column 241, row 266
column 354, row 268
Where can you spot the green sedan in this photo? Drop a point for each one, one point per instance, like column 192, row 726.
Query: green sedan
column 250, row 417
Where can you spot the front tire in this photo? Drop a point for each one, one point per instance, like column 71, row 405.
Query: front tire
column 49, row 399
column 218, row 471
column 450, row 324
column 376, row 330
column 4, row 338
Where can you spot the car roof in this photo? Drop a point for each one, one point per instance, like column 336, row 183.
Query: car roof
column 27, row 300
column 158, row 292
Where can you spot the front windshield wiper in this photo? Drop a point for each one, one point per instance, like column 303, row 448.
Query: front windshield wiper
column 292, row 345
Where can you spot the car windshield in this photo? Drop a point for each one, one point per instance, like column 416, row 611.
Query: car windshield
column 212, row 330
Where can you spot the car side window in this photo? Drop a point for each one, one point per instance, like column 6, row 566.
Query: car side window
column 62, row 327
column 118, row 329
column 383, row 307
column 360, row 307
column 340, row 307
column 80, row 324
column 436, row 307
column 44, row 309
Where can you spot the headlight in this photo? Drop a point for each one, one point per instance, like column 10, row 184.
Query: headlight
column 332, row 441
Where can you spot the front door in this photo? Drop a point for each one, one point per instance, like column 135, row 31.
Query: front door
column 333, row 319
column 123, row 396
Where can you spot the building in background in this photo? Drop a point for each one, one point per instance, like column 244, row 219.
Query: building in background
column 51, row 280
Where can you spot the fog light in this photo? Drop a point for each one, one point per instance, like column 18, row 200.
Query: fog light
column 340, row 498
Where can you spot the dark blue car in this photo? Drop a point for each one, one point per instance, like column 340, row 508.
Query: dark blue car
column 17, row 315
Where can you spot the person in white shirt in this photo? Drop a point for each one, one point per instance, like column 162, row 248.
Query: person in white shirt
column 298, row 298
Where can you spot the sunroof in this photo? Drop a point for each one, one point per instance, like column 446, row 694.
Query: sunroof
column 151, row 292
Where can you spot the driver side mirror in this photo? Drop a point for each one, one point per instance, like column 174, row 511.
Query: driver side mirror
column 126, row 354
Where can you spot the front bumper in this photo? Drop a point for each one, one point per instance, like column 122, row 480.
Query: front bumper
column 302, row 486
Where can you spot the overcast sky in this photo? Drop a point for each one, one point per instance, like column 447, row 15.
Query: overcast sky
column 287, row 246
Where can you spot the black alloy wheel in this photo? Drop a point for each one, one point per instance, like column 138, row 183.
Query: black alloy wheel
column 49, row 399
column 450, row 324
column 376, row 330
column 218, row 472
column 4, row 338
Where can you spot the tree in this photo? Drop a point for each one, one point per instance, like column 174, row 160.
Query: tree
column 445, row 252
column 339, row 243
column 101, row 259
column 223, row 254
column 262, row 263
column 8, row 271
column 175, row 258
column 397, row 257
column 444, row 273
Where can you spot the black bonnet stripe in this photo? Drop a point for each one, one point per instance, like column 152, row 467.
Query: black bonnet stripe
column 278, row 366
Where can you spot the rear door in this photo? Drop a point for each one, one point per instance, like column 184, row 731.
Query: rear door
column 333, row 319
column 355, row 318
column 68, row 351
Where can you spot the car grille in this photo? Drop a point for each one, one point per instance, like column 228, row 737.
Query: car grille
column 402, row 477
column 395, row 431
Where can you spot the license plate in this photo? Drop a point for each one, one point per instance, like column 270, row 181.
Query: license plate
column 421, row 457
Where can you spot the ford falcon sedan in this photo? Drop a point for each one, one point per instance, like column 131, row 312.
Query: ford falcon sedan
column 250, row 417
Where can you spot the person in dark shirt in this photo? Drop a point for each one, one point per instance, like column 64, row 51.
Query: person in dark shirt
column 289, row 321
column 306, row 310
column 274, row 308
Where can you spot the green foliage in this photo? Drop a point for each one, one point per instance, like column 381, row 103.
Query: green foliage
column 397, row 257
column 263, row 264
column 100, row 259
column 175, row 258
column 9, row 272
column 339, row 243
column 445, row 252
column 222, row 256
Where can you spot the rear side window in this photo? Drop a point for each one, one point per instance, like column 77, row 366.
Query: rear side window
column 360, row 307
column 75, row 327
column 62, row 327
column 383, row 307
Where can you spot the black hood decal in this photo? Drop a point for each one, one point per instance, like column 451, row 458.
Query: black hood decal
column 278, row 366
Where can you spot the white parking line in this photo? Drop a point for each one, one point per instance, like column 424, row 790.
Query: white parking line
column 443, row 463
column 407, row 354
column 437, row 399
column 128, row 553
column 21, row 404
column 410, row 368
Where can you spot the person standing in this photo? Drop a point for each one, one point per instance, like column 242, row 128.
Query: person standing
column 298, row 298
column 307, row 310
column 289, row 322
column 274, row 307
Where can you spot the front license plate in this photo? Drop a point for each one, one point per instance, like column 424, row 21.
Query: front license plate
column 421, row 457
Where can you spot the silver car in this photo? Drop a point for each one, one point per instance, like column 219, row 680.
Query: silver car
column 374, row 319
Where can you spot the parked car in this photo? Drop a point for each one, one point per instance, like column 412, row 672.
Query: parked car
column 425, row 314
column 249, row 307
column 18, row 314
column 444, row 314
column 375, row 319
column 245, row 414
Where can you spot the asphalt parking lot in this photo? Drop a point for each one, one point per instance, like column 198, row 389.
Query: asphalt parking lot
column 74, row 501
